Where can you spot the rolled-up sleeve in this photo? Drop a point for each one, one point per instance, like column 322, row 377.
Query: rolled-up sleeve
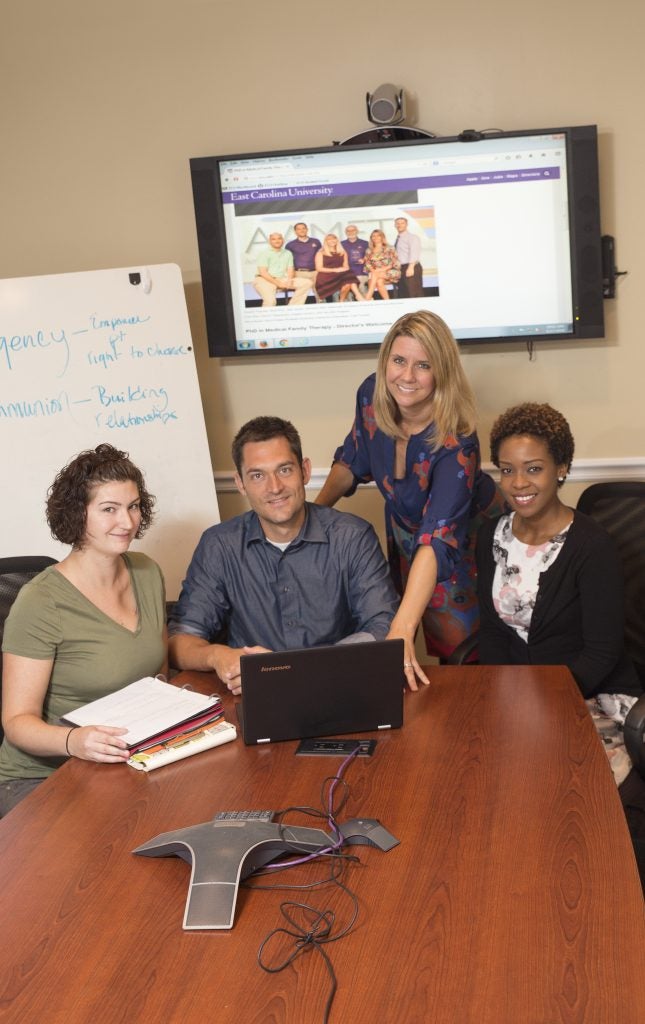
column 355, row 452
column 204, row 605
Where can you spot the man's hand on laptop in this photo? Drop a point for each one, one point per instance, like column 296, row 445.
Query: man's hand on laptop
column 227, row 665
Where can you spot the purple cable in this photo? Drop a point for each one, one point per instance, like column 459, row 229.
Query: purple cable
column 330, row 821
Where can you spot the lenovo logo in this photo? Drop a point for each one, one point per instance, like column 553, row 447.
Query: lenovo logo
column 274, row 668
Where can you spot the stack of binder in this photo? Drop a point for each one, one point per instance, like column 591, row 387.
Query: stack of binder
column 164, row 723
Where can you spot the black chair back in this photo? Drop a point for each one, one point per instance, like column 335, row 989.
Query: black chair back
column 14, row 573
column 619, row 506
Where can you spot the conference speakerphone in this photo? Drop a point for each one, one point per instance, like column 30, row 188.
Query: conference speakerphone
column 228, row 849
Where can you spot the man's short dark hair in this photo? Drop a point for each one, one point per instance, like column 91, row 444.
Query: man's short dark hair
column 265, row 428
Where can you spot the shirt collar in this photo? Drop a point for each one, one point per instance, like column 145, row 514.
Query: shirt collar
column 311, row 531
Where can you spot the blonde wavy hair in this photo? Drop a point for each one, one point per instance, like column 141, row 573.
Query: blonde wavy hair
column 327, row 250
column 453, row 402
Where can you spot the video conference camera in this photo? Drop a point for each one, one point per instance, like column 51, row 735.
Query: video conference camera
column 386, row 105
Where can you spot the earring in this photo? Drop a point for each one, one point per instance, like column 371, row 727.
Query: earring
column 561, row 479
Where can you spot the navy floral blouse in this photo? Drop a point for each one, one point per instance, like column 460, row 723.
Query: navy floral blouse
column 434, row 504
column 440, row 493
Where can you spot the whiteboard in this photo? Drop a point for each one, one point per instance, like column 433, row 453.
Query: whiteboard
column 97, row 357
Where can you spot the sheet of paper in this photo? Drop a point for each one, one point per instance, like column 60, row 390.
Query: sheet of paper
column 144, row 708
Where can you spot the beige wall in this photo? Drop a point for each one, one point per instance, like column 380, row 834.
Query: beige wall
column 104, row 103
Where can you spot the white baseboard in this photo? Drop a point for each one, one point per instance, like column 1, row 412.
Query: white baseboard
column 582, row 471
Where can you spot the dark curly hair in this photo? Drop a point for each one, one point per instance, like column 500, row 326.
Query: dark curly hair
column 71, row 491
column 541, row 421
column 265, row 428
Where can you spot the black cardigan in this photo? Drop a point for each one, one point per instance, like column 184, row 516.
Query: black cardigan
column 578, row 616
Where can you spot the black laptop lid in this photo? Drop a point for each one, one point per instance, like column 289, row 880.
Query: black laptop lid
column 322, row 691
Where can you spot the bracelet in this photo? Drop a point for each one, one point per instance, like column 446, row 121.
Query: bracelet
column 67, row 750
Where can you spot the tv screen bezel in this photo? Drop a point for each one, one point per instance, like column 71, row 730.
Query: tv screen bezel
column 584, row 236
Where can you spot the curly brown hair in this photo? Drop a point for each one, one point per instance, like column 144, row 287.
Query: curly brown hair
column 535, row 420
column 71, row 491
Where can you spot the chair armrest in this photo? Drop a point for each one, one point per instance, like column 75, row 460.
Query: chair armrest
column 634, row 731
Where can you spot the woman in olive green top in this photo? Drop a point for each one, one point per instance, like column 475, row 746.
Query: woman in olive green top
column 83, row 628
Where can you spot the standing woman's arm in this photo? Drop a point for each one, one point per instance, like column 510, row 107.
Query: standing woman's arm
column 419, row 589
column 440, row 541
column 337, row 484
column 354, row 452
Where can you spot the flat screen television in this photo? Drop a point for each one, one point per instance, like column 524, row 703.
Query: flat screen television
column 508, row 225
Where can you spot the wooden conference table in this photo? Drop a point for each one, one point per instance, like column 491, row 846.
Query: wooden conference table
column 513, row 897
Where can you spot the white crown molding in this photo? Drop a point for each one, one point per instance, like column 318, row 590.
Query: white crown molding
column 597, row 470
column 582, row 471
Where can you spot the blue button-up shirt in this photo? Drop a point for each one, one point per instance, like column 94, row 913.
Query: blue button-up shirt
column 331, row 582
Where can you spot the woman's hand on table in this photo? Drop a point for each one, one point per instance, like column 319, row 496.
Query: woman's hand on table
column 419, row 589
column 102, row 743
column 411, row 667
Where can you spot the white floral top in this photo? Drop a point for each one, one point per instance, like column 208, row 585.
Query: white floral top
column 517, row 573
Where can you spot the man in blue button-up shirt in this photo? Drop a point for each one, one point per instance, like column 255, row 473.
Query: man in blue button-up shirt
column 287, row 574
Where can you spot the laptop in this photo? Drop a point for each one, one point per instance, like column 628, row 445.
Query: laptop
column 322, row 691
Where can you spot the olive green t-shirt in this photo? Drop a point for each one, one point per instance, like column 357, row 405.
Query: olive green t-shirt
column 93, row 655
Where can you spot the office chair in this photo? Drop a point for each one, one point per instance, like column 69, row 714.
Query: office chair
column 14, row 573
column 467, row 653
column 619, row 506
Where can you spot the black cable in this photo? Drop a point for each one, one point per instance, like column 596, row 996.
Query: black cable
column 315, row 936
column 311, row 939
column 319, row 924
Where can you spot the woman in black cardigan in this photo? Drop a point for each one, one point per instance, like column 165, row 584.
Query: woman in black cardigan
column 549, row 579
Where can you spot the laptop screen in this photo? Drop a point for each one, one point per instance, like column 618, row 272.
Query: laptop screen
column 322, row 691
